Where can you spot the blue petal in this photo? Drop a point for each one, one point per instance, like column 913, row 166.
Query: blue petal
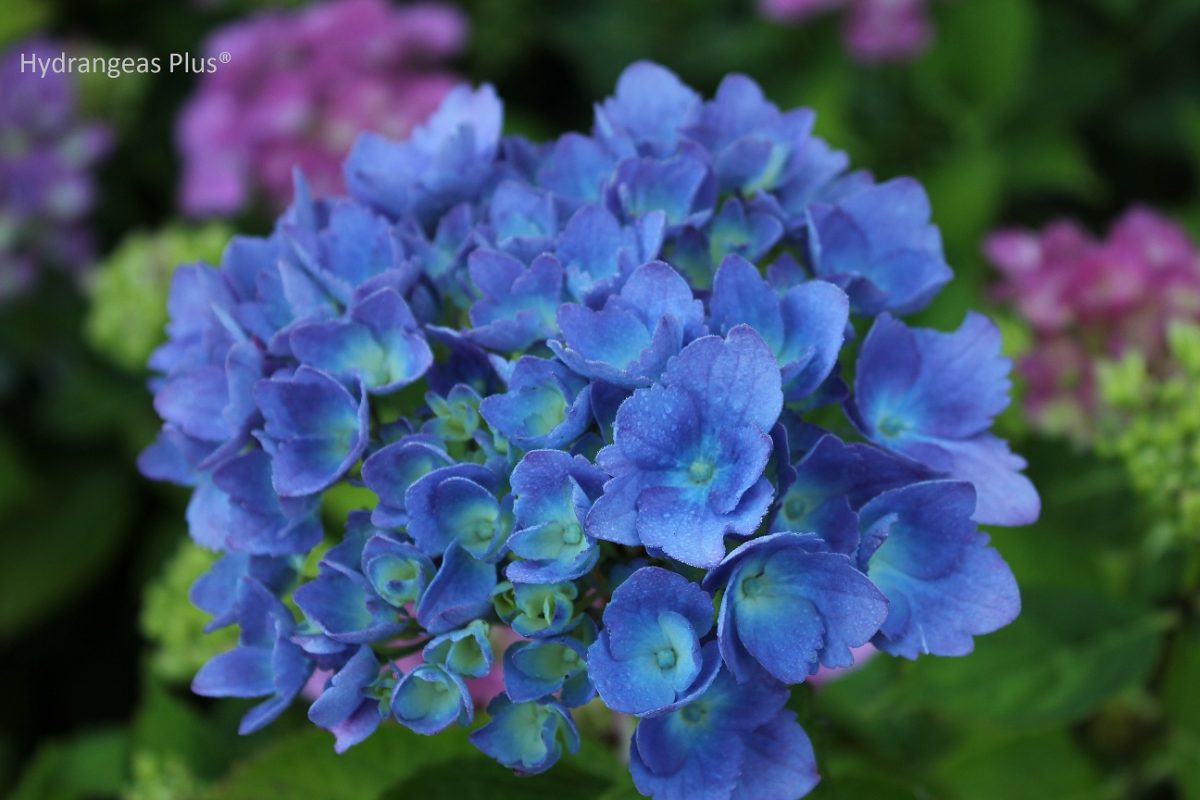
column 390, row 471
column 431, row 514
column 740, row 295
column 429, row 699
column 527, row 737
column 380, row 344
column 931, row 396
column 241, row 672
column 518, row 304
column 316, row 428
column 460, row 592
column 259, row 521
column 650, row 108
column 779, row 763
column 346, row 609
column 595, row 250
column 537, row 669
column 1005, row 496
column 944, row 583
column 878, row 244
column 815, row 316
column 194, row 402
column 682, row 187
column 795, row 609
column 575, row 168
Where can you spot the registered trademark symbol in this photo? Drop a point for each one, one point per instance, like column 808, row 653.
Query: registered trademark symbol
column 225, row 57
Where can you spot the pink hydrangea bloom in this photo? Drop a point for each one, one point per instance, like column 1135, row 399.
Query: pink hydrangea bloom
column 873, row 30
column 298, row 89
column 1085, row 298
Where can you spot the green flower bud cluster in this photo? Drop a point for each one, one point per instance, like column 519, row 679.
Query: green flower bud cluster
column 159, row 777
column 173, row 625
column 129, row 290
column 1152, row 423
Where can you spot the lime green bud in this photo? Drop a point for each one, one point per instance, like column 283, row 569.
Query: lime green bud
column 174, row 625
column 129, row 290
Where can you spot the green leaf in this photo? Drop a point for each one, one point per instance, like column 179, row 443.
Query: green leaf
column 1065, row 656
column 87, row 765
column 64, row 546
column 13, row 480
column 480, row 778
column 1181, row 689
column 1040, row 765
column 169, row 728
column 980, row 65
column 305, row 765
column 1050, row 161
column 846, row 775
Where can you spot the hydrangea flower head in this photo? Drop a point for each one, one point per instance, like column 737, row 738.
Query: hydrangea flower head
column 584, row 400
column 1087, row 299
column 46, row 185
column 299, row 88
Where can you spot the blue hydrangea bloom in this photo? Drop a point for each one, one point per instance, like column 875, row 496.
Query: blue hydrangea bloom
column 380, row 345
column 266, row 663
column 539, row 668
column 315, row 430
column 466, row 652
column 598, row 252
column 689, row 453
column 519, row 302
column 943, row 583
column 831, row 481
column 543, row 609
column 734, row 740
column 629, row 341
column 649, row 657
column 553, row 493
column 527, row 737
column 789, row 607
column 584, row 415
column 931, row 396
column 546, row 405
column 237, row 508
column 879, row 245
column 345, row 607
column 456, row 504
column 430, row 699
column 445, row 161
column 398, row 572
column 347, row 708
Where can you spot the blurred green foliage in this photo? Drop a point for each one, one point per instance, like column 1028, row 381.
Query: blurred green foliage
column 1023, row 110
